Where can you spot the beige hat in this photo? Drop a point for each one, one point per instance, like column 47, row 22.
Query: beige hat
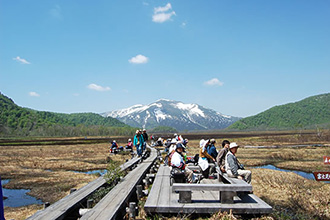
column 232, row 145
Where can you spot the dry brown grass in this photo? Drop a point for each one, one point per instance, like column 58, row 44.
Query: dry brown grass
column 28, row 167
column 291, row 196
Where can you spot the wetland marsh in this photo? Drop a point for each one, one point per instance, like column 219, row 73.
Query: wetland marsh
column 46, row 170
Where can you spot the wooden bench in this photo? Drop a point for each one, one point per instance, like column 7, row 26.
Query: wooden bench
column 226, row 191
column 162, row 200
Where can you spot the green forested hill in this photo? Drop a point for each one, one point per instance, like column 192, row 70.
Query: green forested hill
column 307, row 113
column 15, row 120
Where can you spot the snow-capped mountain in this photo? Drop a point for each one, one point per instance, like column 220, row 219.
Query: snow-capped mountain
column 173, row 114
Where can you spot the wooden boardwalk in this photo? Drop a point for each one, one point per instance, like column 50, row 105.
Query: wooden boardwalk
column 162, row 200
column 117, row 198
column 62, row 208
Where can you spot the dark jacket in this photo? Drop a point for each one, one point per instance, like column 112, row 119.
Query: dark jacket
column 221, row 157
column 212, row 151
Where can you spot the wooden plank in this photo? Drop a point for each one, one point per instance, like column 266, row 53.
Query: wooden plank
column 211, row 187
column 117, row 198
column 61, row 208
column 203, row 202
column 232, row 180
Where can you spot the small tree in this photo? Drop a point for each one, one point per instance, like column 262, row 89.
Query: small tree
column 114, row 172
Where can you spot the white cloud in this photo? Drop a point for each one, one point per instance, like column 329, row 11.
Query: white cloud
column 34, row 94
column 139, row 59
column 162, row 14
column 162, row 17
column 56, row 12
column 167, row 7
column 21, row 60
column 98, row 88
column 213, row 82
column 145, row 3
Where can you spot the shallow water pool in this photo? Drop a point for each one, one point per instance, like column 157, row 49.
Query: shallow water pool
column 17, row 197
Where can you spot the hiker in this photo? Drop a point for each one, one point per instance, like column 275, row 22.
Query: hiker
column 204, row 156
column 173, row 144
column 145, row 138
column 212, row 150
column 159, row 142
column 185, row 142
column 178, row 138
column 167, row 143
column 129, row 145
column 222, row 155
column 233, row 167
column 138, row 142
column 176, row 161
column 114, row 146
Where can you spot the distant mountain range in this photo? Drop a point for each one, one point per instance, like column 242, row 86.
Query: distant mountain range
column 19, row 121
column 311, row 112
column 174, row 114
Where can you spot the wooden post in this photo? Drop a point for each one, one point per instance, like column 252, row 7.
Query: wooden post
column 227, row 197
column 139, row 191
column 146, row 182
column 46, row 204
column 90, row 203
column 185, row 196
column 132, row 210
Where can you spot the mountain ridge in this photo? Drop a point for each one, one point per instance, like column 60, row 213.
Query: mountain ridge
column 306, row 113
column 16, row 120
column 176, row 114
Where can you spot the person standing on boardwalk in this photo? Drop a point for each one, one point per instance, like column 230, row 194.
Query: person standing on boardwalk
column 145, row 138
column 222, row 155
column 233, row 168
column 138, row 143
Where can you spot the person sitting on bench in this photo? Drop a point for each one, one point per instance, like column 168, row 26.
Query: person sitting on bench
column 176, row 161
column 222, row 155
column 203, row 157
column 233, row 167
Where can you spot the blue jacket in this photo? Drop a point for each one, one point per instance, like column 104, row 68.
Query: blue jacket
column 138, row 140
column 212, row 151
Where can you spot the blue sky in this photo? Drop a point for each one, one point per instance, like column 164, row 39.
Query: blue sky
column 236, row 57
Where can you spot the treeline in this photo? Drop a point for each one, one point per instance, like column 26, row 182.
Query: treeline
column 18, row 121
column 163, row 129
column 308, row 113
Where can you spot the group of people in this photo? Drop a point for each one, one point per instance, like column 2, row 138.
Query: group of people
column 225, row 159
column 139, row 142
column 209, row 157
column 176, row 158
